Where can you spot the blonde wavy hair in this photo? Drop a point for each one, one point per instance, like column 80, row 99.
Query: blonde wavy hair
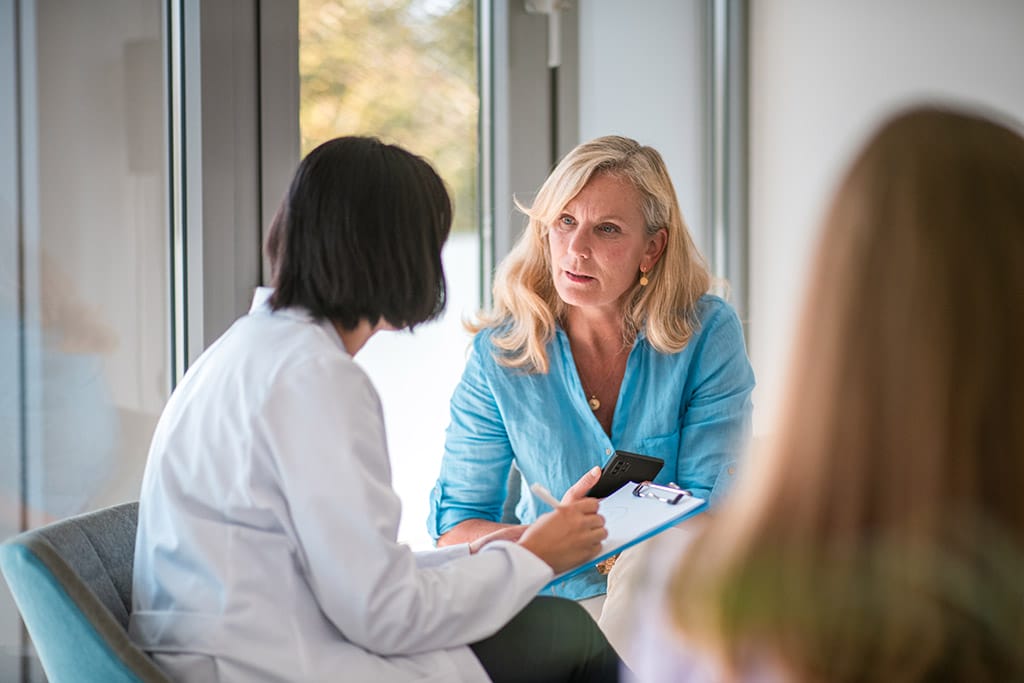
column 880, row 535
column 527, row 306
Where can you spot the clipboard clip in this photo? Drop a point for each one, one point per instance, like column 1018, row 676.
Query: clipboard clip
column 666, row 494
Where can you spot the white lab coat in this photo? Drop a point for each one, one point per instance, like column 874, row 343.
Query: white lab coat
column 266, row 545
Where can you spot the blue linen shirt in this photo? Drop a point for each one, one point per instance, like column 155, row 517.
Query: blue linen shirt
column 692, row 409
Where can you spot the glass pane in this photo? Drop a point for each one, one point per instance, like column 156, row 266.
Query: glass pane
column 85, row 300
column 406, row 72
column 10, row 382
column 96, row 251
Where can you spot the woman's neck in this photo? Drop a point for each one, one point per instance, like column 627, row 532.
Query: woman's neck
column 354, row 339
column 597, row 332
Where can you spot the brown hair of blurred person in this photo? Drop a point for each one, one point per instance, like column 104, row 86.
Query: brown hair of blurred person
column 880, row 535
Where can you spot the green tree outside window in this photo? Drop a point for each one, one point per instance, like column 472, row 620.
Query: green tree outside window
column 402, row 70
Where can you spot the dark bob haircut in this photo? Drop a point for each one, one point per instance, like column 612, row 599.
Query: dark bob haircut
column 359, row 235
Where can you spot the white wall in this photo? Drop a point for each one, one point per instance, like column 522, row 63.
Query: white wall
column 642, row 75
column 823, row 73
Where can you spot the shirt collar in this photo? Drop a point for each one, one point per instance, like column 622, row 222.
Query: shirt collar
column 641, row 334
column 261, row 299
column 261, row 304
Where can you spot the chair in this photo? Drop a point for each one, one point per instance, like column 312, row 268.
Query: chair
column 72, row 582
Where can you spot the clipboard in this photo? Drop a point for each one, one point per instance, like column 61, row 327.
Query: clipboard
column 635, row 513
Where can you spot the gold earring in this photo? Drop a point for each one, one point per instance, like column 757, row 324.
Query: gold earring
column 643, row 278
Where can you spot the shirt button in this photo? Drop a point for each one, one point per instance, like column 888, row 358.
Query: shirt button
column 607, row 451
column 732, row 471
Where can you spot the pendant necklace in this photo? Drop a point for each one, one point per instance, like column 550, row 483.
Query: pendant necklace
column 594, row 402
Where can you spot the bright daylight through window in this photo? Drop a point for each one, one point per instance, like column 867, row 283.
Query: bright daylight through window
column 406, row 72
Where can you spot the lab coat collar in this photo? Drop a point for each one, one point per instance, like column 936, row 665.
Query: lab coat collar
column 261, row 299
column 261, row 304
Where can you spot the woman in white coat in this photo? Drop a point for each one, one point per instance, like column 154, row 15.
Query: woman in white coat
column 266, row 546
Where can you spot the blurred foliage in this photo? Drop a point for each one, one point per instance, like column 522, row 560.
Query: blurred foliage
column 402, row 70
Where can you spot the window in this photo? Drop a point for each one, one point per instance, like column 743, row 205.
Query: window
column 406, row 72
column 84, row 293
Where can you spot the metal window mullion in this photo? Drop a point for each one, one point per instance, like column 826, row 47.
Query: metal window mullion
column 717, row 102
column 727, row 159
column 485, row 135
column 176, row 135
column 30, row 248
column 12, row 224
column 278, row 88
column 736, row 153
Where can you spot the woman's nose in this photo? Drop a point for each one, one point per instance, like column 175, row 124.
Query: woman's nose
column 579, row 244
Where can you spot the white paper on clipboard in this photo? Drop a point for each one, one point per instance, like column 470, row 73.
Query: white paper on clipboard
column 633, row 514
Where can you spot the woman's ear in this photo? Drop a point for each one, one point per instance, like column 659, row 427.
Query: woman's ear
column 655, row 248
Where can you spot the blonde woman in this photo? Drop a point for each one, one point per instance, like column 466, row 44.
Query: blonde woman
column 881, row 536
column 603, row 337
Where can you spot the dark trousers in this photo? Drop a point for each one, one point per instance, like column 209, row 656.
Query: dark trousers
column 552, row 640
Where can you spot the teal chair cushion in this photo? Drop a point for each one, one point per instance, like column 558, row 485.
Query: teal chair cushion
column 71, row 582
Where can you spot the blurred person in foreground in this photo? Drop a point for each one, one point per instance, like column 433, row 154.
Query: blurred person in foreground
column 603, row 337
column 266, row 546
column 880, row 537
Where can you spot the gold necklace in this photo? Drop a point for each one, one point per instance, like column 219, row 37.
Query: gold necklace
column 594, row 402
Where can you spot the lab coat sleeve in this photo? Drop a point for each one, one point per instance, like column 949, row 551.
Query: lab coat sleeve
column 473, row 483
column 435, row 558
column 324, row 428
column 717, row 419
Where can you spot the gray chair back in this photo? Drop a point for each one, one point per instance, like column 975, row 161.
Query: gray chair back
column 72, row 582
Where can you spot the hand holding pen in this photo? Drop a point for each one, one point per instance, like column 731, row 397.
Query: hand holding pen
column 572, row 532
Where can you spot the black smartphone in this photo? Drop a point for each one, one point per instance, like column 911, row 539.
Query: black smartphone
column 625, row 467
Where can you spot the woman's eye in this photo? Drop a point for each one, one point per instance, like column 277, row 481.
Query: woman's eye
column 565, row 221
column 607, row 228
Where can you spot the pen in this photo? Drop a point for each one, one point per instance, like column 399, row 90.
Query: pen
column 545, row 495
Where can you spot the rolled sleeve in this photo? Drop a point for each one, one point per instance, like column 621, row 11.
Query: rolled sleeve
column 477, row 456
column 717, row 421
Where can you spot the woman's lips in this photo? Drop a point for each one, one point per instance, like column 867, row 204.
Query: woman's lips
column 577, row 277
